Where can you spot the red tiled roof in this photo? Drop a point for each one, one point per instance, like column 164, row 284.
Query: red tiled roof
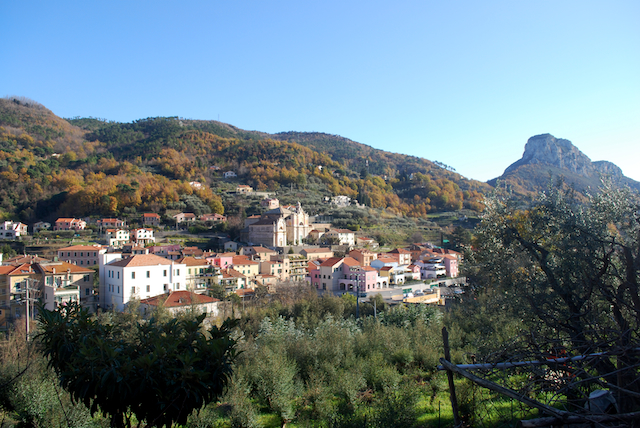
column 331, row 261
column 179, row 298
column 351, row 262
column 142, row 260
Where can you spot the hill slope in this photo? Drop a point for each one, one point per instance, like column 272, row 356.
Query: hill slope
column 52, row 167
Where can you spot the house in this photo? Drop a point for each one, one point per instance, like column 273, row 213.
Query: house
column 81, row 255
column 316, row 253
column 41, row 225
column 150, row 219
column 257, row 252
column 232, row 280
column 243, row 188
column 132, row 249
column 364, row 257
column 181, row 301
column 245, row 266
column 184, row 217
column 117, row 237
column 432, row 268
column 229, row 174
column 344, row 274
column 53, row 283
column 70, row 224
column 195, row 185
column 143, row 236
column 403, row 256
column 270, row 203
column 200, row 274
column 213, row 218
column 139, row 277
column 14, row 282
column 363, row 241
column 163, row 250
column 222, row 260
column 342, row 236
column 12, row 230
column 231, row 246
column 64, row 282
column 341, row 201
column 112, row 223
column 192, row 252
column 276, row 268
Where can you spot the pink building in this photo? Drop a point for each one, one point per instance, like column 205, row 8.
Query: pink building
column 343, row 274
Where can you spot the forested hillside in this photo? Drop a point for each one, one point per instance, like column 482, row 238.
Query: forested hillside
column 52, row 167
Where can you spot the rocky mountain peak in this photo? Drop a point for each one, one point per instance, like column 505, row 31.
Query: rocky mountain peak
column 548, row 150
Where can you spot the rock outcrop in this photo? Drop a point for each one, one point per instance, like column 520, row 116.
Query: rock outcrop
column 545, row 156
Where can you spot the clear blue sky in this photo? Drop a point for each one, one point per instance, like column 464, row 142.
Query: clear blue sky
column 461, row 82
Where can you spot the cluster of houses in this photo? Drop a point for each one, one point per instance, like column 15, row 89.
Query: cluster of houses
column 132, row 267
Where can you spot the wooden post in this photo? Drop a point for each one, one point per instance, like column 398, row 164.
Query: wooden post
column 452, row 388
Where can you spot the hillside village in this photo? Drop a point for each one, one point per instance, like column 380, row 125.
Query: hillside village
column 127, row 264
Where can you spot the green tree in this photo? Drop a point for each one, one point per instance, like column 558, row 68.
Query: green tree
column 571, row 272
column 158, row 372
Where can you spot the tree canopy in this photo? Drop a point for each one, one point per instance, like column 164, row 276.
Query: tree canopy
column 154, row 370
column 571, row 272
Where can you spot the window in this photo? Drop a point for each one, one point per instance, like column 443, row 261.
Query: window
column 81, row 262
column 94, row 262
column 118, row 289
column 82, row 254
column 87, row 291
column 133, row 275
column 178, row 272
column 148, row 274
column 148, row 288
column 118, row 275
column 165, row 273
column 86, row 278
column 133, row 290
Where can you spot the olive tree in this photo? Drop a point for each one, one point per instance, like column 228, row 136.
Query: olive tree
column 569, row 268
column 157, row 371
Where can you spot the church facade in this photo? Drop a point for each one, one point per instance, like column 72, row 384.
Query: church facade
column 280, row 227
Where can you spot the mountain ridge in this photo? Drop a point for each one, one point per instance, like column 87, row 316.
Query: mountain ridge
column 546, row 156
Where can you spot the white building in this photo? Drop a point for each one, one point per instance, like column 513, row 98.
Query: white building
column 143, row 236
column 12, row 230
column 141, row 276
column 344, row 236
column 117, row 237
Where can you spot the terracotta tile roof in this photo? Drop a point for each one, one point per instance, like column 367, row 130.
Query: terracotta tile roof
column 82, row 248
column 154, row 215
column 243, row 261
column 317, row 250
column 332, row 261
column 351, row 262
column 399, row 251
column 192, row 261
column 61, row 267
column 18, row 260
column 178, row 298
column 231, row 273
column 369, row 269
column 142, row 260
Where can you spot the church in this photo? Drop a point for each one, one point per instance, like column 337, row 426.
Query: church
column 279, row 227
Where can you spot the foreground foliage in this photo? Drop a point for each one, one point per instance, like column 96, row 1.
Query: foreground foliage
column 571, row 272
column 158, row 372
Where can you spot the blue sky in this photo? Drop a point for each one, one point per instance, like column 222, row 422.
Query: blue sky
column 464, row 83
